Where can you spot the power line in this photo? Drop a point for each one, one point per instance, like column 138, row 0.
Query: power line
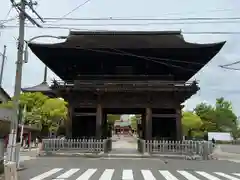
column 73, row 10
column 230, row 68
column 230, row 64
column 171, row 13
column 146, row 19
column 141, row 19
column 146, row 24
column 87, row 29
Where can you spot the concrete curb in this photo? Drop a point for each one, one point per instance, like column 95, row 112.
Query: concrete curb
column 102, row 155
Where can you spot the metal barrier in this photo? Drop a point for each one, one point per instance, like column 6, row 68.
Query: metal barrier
column 107, row 145
column 188, row 148
column 80, row 145
column 10, row 171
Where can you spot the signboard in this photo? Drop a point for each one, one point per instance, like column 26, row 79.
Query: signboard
column 220, row 136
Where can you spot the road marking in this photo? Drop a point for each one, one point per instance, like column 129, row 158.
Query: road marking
column 107, row 174
column 87, row 174
column 226, row 176
column 167, row 175
column 206, row 175
column 47, row 174
column 147, row 174
column 187, row 175
column 127, row 174
column 68, row 173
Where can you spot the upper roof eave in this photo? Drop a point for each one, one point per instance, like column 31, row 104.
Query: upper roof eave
column 43, row 87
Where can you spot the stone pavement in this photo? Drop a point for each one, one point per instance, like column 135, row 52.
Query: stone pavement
column 223, row 152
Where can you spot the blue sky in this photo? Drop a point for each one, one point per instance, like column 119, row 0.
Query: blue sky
column 214, row 81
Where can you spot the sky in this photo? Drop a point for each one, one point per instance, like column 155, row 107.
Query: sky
column 214, row 81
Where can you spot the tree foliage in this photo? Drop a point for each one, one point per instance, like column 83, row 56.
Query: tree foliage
column 134, row 122
column 41, row 110
column 190, row 122
column 112, row 118
column 218, row 118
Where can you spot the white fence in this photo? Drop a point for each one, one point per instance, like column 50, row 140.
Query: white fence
column 188, row 148
column 79, row 145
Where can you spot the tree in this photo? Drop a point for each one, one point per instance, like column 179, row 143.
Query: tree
column 207, row 114
column 112, row 118
column 225, row 118
column 134, row 122
column 31, row 100
column 42, row 110
column 218, row 118
column 53, row 113
column 190, row 122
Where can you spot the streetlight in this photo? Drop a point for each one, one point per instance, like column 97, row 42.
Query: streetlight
column 13, row 148
column 37, row 37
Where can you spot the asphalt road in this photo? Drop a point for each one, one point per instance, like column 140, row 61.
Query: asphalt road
column 230, row 148
column 127, row 169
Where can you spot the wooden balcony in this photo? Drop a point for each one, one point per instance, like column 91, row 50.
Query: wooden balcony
column 126, row 85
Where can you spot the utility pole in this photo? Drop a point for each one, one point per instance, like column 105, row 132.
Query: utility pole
column 12, row 153
column 3, row 63
column 17, row 88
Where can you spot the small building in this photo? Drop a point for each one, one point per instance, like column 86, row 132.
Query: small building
column 4, row 96
column 6, row 115
column 122, row 126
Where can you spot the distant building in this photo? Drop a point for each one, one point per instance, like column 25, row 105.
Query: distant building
column 4, row 96
column 6, row 115
column 122, row 126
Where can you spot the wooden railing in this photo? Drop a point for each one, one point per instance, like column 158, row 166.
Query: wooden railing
column 188, row 148
column 80, row 145
column 122, row 84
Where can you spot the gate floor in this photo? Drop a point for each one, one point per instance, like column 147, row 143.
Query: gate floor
column 124, row 144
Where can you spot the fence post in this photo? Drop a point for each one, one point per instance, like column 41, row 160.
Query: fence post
column 205, row 150
column 143, row 144
column 105, row 146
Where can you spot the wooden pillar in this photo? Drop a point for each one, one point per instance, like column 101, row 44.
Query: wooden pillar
column 179, row 134
column 99, row 121
column 69, row 122
column 148, row 124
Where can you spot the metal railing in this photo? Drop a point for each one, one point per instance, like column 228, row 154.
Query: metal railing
column 188, row 148
column 79, row 145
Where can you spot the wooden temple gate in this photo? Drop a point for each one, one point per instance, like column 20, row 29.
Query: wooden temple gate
column 158, row 103
column 119, row 72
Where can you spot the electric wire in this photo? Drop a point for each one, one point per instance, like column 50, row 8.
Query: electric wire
column 122, row 53
column 146, row 19
column 73, row 10
column 104, row 30
column 147, row 24
column 230, row 64
column 171, row 13
column 5, row 19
